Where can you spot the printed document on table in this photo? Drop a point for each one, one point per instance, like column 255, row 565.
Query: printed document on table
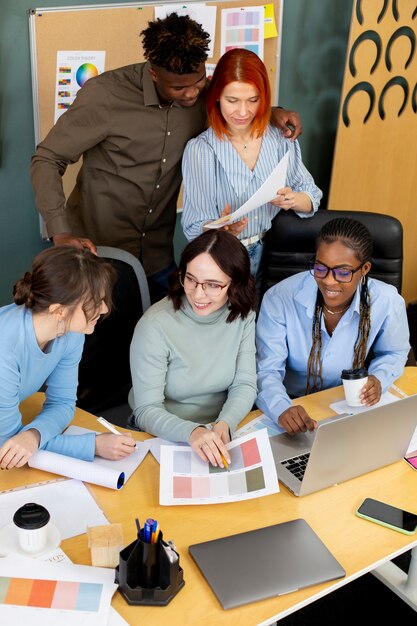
column 112, row 474
column 61, row 498
column 342, row 406
column 186, row 479
column 70, row 594
column 267, row 192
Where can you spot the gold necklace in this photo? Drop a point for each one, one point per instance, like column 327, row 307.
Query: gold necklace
column 335, row 312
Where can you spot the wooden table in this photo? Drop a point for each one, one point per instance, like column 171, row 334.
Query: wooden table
column 358, row 545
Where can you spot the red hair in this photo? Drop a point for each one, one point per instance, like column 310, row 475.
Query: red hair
column 242, row 66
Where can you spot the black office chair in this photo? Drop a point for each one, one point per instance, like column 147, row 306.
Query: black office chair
column 104, row 372
column 290, row 244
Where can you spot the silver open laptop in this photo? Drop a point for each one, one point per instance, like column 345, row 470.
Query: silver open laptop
column 344, row 446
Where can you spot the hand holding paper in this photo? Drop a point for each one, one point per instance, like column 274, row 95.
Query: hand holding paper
column 266, row 193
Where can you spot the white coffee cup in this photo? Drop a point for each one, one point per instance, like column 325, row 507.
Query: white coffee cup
column 353, row 381
column 32, row 522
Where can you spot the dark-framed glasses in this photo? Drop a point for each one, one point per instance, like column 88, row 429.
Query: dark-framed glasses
column 340, row 274
column 210, row 288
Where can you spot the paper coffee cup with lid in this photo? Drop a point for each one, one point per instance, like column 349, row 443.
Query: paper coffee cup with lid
column 32, row 521
column 353, row 381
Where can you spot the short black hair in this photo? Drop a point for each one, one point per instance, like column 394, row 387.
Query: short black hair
column 176, row 43
column 232, row 257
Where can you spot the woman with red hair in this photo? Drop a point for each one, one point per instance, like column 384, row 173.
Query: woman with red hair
column 225, row 165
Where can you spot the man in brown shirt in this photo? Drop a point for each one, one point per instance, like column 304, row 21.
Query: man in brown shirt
column 131, row 126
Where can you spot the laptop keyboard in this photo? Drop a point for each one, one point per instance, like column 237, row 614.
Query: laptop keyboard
column 297, row 465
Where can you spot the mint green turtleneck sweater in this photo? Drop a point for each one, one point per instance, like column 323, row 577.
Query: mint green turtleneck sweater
column 189, row 369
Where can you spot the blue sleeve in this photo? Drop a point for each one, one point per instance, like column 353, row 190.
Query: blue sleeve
column 59, row 406
column 391, row 345
column 300, row 179
column 272, row 353
column 199, row 187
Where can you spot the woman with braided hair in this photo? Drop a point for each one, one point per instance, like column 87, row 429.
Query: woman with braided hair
column 41, row 342
column 315, row 324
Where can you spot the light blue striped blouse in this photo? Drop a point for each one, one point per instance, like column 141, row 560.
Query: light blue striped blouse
column 215, row 175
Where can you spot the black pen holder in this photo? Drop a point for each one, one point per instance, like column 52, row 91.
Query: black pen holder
column 148, row 574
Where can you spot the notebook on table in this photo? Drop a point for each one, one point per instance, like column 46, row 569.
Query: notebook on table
column 265, row 562
column 344, row 446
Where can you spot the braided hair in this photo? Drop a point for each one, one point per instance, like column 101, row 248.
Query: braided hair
column 176, row 43
column 357, row 237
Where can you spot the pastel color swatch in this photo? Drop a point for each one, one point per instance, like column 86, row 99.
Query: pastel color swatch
column 50, row 594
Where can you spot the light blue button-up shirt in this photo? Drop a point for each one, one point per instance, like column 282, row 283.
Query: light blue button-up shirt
column 215, row 175
column 284, row 340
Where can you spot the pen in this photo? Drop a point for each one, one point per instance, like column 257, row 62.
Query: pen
column 110, row 427
column 154, row 531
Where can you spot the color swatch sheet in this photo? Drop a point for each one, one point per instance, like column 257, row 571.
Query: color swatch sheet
column 243, row 27
column 43, row 594
column 61, row 498
column 186, row 479
column 103, row 472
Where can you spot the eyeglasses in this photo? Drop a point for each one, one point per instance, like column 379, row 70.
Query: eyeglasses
column 210, row 288
column 340, row 274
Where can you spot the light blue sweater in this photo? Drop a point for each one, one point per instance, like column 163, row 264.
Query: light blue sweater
column 189, row 369
column 24, row 368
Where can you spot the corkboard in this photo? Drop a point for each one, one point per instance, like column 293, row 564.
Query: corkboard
column 113, row 29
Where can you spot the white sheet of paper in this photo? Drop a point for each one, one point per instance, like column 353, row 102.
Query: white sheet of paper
column 100, row 472
column 156, row 443
column 61, row 499
column 186, row 479
column 262, row 421
column 96, row 588
column 243, row 27
column 342, row 407
column 412, row 448
column 266, row 193
column 199, row 12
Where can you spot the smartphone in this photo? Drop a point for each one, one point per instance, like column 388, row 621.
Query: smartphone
column 412, row 461
column 387, row 515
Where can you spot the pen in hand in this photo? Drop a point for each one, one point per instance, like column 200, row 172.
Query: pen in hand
column 110, row 427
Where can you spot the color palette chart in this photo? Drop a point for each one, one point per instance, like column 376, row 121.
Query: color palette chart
column 186, row 479
column 243, row 28
column 50, row 594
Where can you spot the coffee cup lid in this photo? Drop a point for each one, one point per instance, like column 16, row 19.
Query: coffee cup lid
column 355, row 374
column 31, row 516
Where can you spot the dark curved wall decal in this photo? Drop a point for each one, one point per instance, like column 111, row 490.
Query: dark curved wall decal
column 397, row 80
column 414, row 99
column 359, row 14
column 371, row 35
column 395, row 11
column 414, row 14
column 404, row 31
column 362, row 86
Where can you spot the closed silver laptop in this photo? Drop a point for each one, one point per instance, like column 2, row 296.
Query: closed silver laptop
column 344, row 446
column 265, row 562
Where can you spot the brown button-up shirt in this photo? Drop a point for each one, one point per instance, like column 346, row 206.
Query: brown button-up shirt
column 127, row 188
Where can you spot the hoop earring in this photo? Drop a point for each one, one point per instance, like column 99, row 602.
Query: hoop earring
column 363, row 280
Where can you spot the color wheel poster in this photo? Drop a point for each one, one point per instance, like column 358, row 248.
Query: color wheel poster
column 73, row 69
column 186, row 479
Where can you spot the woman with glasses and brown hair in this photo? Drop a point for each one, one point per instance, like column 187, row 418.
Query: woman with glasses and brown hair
column 193, row 353
column 41, row 343
column 315, row 324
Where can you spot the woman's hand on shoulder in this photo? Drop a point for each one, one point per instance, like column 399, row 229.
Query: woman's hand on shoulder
column 209, row 444
column 371, row 392
column 296, row 420
column 17, row 450
column 114, row 447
